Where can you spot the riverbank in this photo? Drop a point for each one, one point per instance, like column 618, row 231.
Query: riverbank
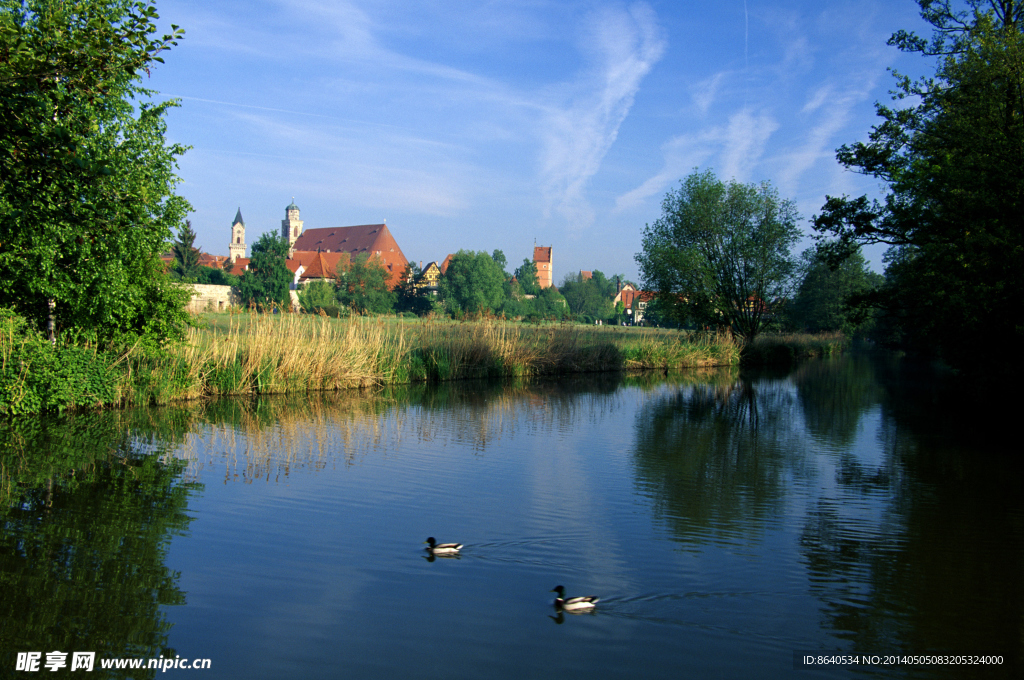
column 242, row 353
column 785, row 349
column 268, row 354
column 292, row 353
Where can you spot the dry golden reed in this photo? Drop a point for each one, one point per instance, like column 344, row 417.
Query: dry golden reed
column 293, row 353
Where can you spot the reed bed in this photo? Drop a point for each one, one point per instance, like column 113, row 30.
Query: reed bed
column 788, row 348
column 248, row 353
column 293, row 353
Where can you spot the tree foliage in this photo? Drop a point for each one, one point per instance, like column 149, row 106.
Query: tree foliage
column 589, row 297
column 363, row 286
column 86, row 177
column 720, row 252
column 186, row 256
column 316, row 295
column 267, row 281
column 550, row 304
column 526, row 277
column 408, row 296
column 830, row 299
column 216, row 277
column 952, row 159
column 473, row 282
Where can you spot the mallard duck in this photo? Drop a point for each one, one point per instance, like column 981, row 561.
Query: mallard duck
column 442, row 548
column 573, row 603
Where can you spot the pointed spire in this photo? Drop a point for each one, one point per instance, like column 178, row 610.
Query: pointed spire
column 238, row 218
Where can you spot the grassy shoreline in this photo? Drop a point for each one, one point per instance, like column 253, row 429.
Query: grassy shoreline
column 239, row 354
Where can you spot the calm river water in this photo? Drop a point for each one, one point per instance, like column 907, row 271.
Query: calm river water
column 728, row 521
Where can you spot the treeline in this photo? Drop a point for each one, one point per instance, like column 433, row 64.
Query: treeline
column 474, row 284
column 950, row 158
column 953, row 165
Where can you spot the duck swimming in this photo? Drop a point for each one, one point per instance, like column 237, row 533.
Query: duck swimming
column 442, row 548
column 573, row 603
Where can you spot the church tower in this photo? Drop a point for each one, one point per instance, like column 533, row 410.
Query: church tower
column 236, row 248
column 291, row 225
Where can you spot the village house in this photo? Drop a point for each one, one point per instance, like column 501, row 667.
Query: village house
column 429, row 280
column 634, row 301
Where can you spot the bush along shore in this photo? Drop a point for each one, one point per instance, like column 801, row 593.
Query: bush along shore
column 772, row 349
column 288, row 353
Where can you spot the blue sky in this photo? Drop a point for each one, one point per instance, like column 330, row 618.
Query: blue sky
column 484, row 125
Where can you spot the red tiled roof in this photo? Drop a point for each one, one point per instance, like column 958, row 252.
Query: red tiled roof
column 542, row 253
column 207, row 260
column 447, row 261
column 241, row 264
column 322, row 265
column 586, row 275
column 629, row 295
column 371, row 239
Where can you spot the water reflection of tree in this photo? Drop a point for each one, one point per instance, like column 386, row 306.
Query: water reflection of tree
column 270, row 438
column 87, row 517
column 834, row 395
column 925, row 553
column 713, row 456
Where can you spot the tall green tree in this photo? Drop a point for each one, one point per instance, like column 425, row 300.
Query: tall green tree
column 587, row 297
column 830, row 299
column 363, row 286
column 268, row 280
column 526, row 277
column 590, row 297
column 87, row 179
column 408, row 296
column 473, row 282
column 951, row 157
column 720, row 252
column 186, row 256
column 550, row 304
column 499, row 259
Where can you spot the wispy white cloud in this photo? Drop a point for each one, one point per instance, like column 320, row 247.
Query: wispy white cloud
column 819, row 97
column 743, row 143
column 704, row 92
column 625, row 45
column 682, row 154
column 737, row 147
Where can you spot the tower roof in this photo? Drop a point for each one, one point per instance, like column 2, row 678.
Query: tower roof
column 238, row 218
column 292, row 206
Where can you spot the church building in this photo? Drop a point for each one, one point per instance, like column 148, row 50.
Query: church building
column 373, row 240
column 237, row 247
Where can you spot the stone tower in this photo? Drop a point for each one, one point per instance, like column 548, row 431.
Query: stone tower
column 291, row 225
column 542, row 259
column 237, row 247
